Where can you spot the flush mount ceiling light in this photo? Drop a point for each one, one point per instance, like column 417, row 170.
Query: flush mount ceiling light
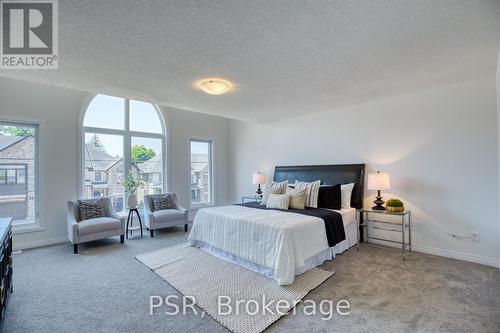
column 214, row 86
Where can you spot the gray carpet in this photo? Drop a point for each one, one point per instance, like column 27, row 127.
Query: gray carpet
column 195, row 273
column 105, row 289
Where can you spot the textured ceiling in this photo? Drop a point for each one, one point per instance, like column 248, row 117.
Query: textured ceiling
column 286, row 58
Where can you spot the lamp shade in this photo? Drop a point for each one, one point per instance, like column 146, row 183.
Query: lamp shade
column 259, row 178
column 378, row 181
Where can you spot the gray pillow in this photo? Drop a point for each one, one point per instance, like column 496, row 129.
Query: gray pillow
column 91, row 209
column 164, row 201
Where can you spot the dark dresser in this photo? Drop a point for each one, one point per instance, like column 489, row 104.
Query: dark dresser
column 5, row 263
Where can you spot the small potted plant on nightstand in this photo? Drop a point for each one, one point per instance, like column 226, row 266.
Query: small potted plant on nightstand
column 395, row 206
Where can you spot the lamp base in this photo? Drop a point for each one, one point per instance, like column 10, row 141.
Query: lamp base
column 378, row 203
column 259, row 190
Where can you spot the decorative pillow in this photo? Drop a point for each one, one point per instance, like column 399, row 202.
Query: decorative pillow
column 278, row 201
column 164, row 201
column 90, row 209
column 297, row 198
column 346, row 191
column 330, row 197
column 312, row 191
column 273, row 187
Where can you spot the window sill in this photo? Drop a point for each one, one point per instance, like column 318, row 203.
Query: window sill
column 24, row 228
column 199, row 206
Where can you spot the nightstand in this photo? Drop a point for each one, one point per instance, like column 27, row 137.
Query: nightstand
column 246, row 198
column 403, row 226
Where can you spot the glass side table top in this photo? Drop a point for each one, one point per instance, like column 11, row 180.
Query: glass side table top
column 369, row 210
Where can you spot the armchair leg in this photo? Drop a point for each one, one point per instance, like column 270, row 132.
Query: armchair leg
column 185, row 227
column 75, row 248
column 122, row 239
column 152, row 233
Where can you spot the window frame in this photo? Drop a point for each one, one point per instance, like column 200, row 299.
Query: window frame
column 25, row 178
column 211, row 175
column 9, row 177
column 98, row 173
column 127, row 136
column 38, row 224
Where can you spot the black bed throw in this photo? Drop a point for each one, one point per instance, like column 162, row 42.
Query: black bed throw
column 333, row 221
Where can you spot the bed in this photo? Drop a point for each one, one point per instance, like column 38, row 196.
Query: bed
column 282, row 244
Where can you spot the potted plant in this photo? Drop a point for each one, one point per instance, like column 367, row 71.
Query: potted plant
column 131, row 185
column 394, row 205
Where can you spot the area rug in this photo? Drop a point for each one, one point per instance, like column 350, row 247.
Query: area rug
column 204, row 277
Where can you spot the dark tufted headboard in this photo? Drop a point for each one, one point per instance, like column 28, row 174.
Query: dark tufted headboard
column 329, row 175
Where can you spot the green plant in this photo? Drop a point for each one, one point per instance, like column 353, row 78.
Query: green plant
column 141, row 153
column 394, row 203
column 132, row 184
column 17, row 131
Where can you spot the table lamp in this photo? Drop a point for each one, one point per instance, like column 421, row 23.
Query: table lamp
column 259, row 178
column 378, row 181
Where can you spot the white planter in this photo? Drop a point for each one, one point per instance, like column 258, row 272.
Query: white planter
column 132, row 201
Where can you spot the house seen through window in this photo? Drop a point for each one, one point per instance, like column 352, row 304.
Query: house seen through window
column 201, row 172
column 18, row 172
column 122, row 136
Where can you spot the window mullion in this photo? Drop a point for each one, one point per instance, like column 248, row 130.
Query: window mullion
column 146, row 135
column 127, row 115
column 127, row 140
column 99, row 130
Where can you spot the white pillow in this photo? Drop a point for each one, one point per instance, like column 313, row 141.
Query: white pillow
column 278, row 201
column 311, row 193
column 346, row 193
column 273, row 187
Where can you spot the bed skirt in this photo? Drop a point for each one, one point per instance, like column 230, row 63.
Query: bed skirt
column 351, row 233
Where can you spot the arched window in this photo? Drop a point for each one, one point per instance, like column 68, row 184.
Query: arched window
column 122, row 137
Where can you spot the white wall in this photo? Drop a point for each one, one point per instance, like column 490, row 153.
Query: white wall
column 498, row 140
column 439, row 146
column 58, row 111
column 183, row 125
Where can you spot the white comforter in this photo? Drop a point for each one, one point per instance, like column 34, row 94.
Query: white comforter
column 278, row 240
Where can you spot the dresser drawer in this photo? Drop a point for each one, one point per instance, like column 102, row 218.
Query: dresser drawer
column 5, row 263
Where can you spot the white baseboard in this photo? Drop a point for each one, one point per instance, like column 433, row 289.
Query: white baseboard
column 44, row 242
column 489, row 261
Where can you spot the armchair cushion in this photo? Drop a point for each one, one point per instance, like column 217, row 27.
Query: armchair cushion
column 164, row 201
column 99, row 224
column 167, row 215
column 91, row 209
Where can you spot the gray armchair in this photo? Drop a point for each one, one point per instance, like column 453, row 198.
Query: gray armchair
column 163, row 218
column 93, row 229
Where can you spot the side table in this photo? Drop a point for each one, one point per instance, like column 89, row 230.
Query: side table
column 403, row 227
column 250, row 198
column 130, row 219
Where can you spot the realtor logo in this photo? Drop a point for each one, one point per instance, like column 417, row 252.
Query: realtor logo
column 29, row 34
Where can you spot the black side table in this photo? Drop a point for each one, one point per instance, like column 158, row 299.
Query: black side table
column 130, row 219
